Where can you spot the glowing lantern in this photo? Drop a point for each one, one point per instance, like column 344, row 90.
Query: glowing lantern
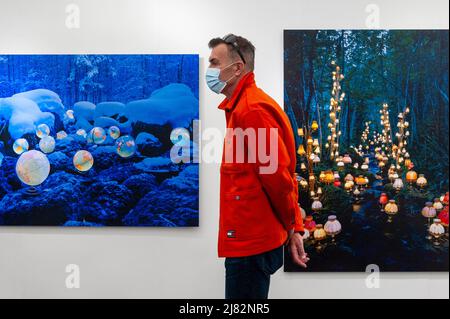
column 322, row 177
column 314, row 126
column 319, row 191
column 337, row 183
column 310, row 224
column 364, row 167
column 360, row 180
column 347, row 159
column 429, row 212
column 301, row 150
column 411, row 177
column 303, row 167
column 300, row 132
column 383, row 200
column 438, row 205
column 349, row 185
column 332, row 227
column 316, row 159
column 421, row 181
column 398, row 184
column 349, row 177
column 316, row 205
column 303, row 184
column 391, row 209
column 319, row 235
column 316, row 142
column 407, row 162
column 436, row 230
column 329, row 177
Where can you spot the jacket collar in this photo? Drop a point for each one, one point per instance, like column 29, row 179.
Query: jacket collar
column 246, row 81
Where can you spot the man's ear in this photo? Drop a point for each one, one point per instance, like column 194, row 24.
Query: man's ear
column 240, row 68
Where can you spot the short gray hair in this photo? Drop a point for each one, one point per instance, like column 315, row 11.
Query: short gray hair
column 239, row 48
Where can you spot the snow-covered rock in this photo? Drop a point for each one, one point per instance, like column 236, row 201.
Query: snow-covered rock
column 148, row 144
column 24, row 115
column 155, row 165
column 85, row 110
column 48, row 101
column 174, row 104
column 109, row 109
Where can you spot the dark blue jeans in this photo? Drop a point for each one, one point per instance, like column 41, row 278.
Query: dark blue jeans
column 249, row 277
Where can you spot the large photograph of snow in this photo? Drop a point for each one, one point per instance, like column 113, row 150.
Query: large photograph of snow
column 99, row 140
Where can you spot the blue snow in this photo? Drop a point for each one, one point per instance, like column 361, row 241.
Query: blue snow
column 24, row 115
column 48, row 101
column 174, row 99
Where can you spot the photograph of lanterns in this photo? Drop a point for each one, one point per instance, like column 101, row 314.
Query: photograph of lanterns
column 369, row 112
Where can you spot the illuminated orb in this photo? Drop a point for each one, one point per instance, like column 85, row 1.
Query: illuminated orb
column 114, row 132
column 47, row 144
column 125, row 146
column 42, row 130
column 70, row 115
column 81, row 133
column 83, row 161
column 20, row 146
column 61, row 135
column 33, row 167
column 97, row 135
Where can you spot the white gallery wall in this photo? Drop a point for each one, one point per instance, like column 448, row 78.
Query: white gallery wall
column 183, row 263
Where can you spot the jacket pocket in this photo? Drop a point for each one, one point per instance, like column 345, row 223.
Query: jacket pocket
column 246, row 214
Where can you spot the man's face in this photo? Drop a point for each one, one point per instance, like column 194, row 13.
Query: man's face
column 219, row 59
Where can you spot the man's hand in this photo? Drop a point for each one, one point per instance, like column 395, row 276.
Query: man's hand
column 297, row 249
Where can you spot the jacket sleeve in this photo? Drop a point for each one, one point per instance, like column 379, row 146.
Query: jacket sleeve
column 273, row 171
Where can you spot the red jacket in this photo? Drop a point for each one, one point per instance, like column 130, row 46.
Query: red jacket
column 256, row 210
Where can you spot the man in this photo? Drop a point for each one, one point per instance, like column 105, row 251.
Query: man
column 259, row 210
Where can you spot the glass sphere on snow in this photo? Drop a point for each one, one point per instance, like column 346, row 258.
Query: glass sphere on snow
column 33, row 168
column 114, row 132
column 47, row 144
column 125, row 146
column 97, row 135
column 20, row 146
column 83, row 161
column 42, row 130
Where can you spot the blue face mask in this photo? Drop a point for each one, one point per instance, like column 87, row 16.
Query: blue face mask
column 213, row 81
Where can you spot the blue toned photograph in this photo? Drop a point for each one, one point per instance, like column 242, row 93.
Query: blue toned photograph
column 99, row 140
